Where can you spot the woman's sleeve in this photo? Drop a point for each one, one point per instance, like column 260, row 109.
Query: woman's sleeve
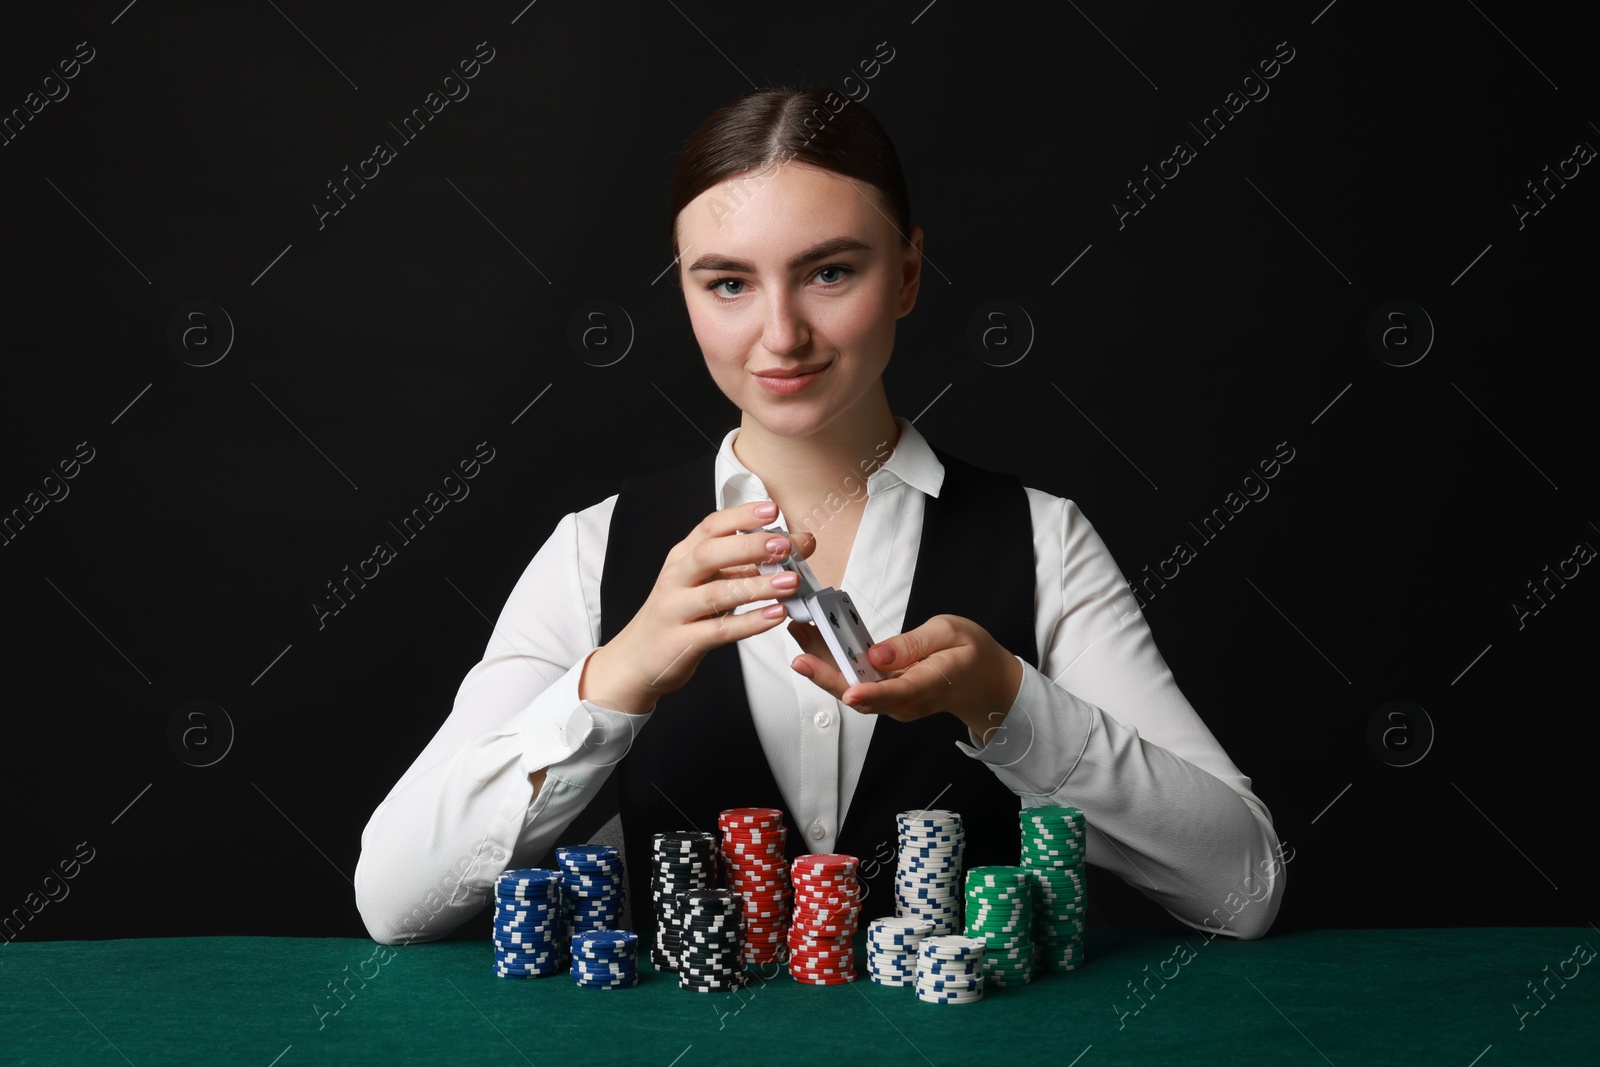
column 465, row 810
column 1103, row 726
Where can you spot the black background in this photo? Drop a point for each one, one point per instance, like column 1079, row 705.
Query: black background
column 373, row 354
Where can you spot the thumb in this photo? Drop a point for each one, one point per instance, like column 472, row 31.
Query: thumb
column 884, row 653
column 904, row 649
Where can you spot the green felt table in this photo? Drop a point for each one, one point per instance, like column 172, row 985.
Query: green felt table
column 1449, row 996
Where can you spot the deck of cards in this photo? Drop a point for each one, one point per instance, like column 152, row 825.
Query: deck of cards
column 832, row 612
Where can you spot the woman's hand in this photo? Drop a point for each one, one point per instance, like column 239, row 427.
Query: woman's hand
column 949, row 663
column 690, row 611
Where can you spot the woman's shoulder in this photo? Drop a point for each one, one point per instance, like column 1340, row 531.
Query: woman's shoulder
column 1052, row 509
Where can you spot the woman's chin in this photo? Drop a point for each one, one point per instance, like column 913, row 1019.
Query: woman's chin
column 787, row 416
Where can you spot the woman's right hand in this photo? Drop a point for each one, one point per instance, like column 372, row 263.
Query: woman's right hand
column 690, row 611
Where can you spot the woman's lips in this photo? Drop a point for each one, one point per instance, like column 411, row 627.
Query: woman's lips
column 785, row 386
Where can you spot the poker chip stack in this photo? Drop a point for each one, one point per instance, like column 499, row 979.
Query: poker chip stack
column 753, row 841
column 711, row 957
column 593, row 879
column 605, row 959
column 950, row 969
column 822, row 933
column 892, row 950
column 928, row 876
column 527, row 923
column 1053, row 846
column 1000, row 912
column 681, row 862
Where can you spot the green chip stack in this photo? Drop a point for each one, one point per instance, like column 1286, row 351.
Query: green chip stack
column 1000, row 912
column 1052, row 855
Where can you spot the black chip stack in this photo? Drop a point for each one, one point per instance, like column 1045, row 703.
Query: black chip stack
column 711, row 932
column 682, row 861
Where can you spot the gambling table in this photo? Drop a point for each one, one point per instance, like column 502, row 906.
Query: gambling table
column 1469, row 997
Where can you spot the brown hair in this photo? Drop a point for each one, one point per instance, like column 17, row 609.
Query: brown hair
column 765, row 128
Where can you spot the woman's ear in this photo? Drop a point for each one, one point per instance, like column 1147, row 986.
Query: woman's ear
column 910, row 273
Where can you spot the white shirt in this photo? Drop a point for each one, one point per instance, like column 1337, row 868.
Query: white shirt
column 1101, row 724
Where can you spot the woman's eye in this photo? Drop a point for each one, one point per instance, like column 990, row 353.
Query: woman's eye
column 838, row 271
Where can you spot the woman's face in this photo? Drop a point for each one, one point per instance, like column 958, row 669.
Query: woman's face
column 795, row 268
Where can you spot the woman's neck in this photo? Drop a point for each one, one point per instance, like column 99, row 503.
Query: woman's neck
column 808, row 468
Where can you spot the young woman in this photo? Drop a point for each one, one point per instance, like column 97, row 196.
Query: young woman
column 643, row 664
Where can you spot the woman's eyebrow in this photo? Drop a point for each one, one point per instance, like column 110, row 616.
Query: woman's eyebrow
column 831, row 247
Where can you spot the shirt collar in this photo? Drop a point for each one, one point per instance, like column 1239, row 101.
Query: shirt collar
column 911, row 462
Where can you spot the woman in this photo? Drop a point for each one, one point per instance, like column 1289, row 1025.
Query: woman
column 643, row 664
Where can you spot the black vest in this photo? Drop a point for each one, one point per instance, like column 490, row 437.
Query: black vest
column 700, row 754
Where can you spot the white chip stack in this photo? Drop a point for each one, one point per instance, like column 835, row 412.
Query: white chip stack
column 950, row 969
column 927, row 884
column 892, row 949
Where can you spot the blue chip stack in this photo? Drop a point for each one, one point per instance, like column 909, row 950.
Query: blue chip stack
column 527, row 923
column 605, row 959
column 593, row 880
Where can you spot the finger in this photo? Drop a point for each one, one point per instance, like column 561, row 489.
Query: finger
column 802, row 544
column 822, row 671
column 907, row 689
column 913, row 646
column 718, row 543
column 808, row 637
column 733, row 626
column 727, row 594
column 816, row 660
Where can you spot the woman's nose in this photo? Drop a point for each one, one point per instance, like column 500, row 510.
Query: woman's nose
column 786, row 329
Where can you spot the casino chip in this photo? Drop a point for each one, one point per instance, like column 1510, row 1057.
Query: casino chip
column 827, row 905
column 605, row 959
column 680, row 862
column 592, row 878
column 753, row 841
column 892, row 950
column 710, row 956
column 950, row 969
column 928, row 876
column 1053, row 846
column 1000, row 913
column 527, row 923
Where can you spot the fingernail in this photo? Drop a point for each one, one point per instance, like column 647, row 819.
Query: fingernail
column 786, row 580
column 777, row 544
column 767, row 511
column 773, row 612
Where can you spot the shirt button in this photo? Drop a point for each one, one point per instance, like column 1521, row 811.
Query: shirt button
column 824, row 718
column 818, row 831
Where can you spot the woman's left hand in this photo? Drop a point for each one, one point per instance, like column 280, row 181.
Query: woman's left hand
column 949, row 663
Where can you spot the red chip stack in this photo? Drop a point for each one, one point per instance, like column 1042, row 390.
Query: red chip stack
column 822, row 933
column 752, row 858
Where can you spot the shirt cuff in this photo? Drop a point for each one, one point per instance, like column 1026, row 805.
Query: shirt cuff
column 574, row 738
column 1033, row 750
